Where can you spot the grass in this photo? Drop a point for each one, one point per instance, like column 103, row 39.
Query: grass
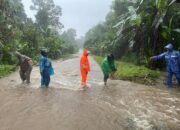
column 6, row 69
column 131, row 72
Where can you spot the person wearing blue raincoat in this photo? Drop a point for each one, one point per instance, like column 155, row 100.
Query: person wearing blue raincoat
column 46, row 69
column 172, row 58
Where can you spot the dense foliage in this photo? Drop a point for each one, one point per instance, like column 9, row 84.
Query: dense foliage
column 18, row 32
column 136, row 29
column 131, row 72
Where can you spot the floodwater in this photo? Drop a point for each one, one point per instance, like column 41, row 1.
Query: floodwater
column 119, row 106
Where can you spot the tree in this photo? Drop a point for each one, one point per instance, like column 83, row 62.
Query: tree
column 48, row 15
column 12, row 17
column 69, row 38
column 140, row 28
column 80, row 42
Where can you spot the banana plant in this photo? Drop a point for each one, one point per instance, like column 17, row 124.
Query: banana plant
column 167, row 30
column 162, row 7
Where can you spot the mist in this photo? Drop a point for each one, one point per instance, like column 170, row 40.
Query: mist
column 78, row 14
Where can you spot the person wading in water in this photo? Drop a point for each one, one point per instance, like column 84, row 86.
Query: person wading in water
column 25, row 64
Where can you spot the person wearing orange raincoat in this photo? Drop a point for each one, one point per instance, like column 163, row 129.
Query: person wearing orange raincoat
column 84, row 67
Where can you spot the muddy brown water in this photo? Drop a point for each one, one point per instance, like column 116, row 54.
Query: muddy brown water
column 119, row 106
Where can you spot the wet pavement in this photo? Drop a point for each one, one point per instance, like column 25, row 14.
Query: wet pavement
column 121, row 105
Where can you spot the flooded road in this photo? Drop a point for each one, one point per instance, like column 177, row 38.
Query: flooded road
column 119, row 106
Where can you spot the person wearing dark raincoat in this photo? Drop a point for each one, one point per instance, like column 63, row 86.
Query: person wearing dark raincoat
column 84, row 67
column 172, row 58
column 46, row 69
column 108, row 67
column 25, row 64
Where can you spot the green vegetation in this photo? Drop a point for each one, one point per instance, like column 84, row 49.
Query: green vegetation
column 6, row 69
column 131, row 72
column 20, row 33
column 137, row 28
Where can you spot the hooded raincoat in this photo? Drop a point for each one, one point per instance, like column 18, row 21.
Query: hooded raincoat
column 107, row 67
column 46, row 70
column 84, row 67
column 172, row 58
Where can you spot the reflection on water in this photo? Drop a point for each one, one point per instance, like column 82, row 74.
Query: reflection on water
column 120, row 106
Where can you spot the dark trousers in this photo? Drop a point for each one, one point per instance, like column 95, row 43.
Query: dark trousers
column 169, row 78
column 45, row 79
column 106, row 77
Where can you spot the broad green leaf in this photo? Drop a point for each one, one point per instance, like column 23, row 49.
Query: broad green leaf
column 161, row 4
column 177, row 30
column 165, row 35
column 172, row 2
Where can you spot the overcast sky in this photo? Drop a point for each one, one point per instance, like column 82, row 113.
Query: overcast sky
column 78, row 14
